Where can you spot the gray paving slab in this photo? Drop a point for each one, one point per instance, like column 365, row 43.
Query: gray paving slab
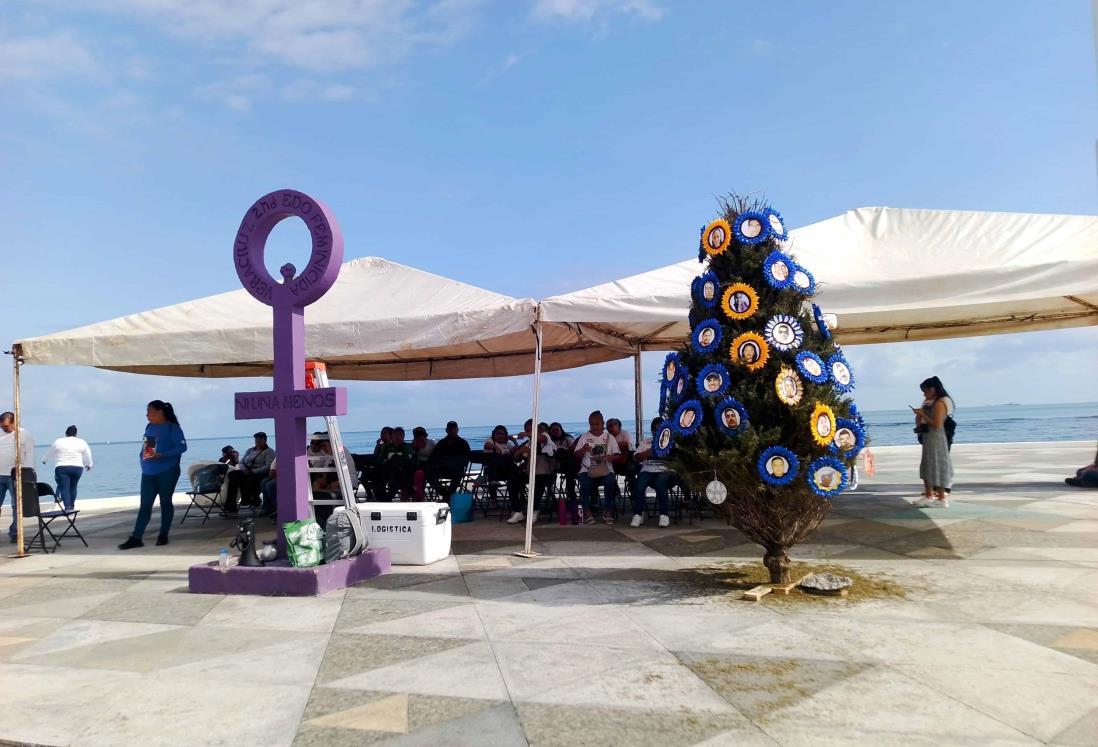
column 613, row 635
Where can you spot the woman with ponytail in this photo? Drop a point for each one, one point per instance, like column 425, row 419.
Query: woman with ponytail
column 161, row 448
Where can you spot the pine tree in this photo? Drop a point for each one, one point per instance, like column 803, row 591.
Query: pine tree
column 758, row 399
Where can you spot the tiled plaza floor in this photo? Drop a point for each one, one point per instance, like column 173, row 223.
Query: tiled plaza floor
column 603, row 640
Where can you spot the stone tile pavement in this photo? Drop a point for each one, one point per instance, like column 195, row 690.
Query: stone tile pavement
column 605, row 639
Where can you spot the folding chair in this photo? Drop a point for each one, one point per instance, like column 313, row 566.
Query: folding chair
column 205, row 492
column 45, row 518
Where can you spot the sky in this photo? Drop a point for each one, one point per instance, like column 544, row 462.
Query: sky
column 531, row 147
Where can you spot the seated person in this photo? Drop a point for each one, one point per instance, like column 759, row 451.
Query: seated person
column 422, row 446
column 627, row 468
column 652, row 472
column 499, row 461
column 326, row 477
column 544, row 468
column 1085, row 477
column 448, row 461
column 396, row 468
column 229, row 456
column 253, row 469
column 597, row 451
column 567, row 464
column 384, row 437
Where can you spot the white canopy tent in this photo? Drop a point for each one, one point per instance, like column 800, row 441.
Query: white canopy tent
column 890, row 274
column 380, row 321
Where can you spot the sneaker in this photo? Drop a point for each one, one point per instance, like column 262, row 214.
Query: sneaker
column 517, row 517
column 607, row 519
column 944, row 503
column 131, row 543
column 638, row 519
column 924, row 502
column 589, row 520
column 161, row 541
column 665, row 520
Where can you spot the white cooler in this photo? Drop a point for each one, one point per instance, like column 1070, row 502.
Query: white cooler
column 415, row 533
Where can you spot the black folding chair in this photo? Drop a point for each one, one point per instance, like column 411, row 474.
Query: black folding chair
column 45, row 518
column 205, row 493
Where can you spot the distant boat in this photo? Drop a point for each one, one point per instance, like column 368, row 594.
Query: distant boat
column 1012, row 404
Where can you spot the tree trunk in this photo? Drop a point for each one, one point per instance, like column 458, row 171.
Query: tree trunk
column 777, row 562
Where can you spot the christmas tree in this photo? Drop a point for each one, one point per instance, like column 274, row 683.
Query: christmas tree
column 756, row 406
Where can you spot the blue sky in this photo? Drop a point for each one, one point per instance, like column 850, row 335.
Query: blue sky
column 512, row 145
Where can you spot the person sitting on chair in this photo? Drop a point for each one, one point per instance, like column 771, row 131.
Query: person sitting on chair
column 598, row 452
column 448, row 461
column 499, row 461
column 627, row 468
column 653, row 472
column 253, row 468
column 397, row 467
column 544, row 467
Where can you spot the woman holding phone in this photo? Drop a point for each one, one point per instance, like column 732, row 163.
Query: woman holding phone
column 161, row 448
column 936, row 467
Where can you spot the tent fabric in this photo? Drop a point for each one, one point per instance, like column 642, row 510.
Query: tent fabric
column 380, row 321
column 890, row 274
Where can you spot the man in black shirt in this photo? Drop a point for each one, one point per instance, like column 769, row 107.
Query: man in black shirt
column 448, row 462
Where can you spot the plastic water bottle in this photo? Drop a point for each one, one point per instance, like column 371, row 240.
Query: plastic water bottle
column 223, row 560
column 579, row 514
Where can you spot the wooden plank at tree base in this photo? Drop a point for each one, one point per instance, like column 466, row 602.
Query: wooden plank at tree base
column 787, row 588
column 754, row 595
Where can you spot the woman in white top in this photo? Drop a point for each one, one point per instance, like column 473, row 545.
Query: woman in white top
column 73, row 456
column 597, row 451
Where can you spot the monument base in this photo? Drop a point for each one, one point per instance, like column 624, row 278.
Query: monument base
column 281, row 579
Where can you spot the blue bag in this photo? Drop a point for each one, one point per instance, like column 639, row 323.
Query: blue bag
column 461, row 508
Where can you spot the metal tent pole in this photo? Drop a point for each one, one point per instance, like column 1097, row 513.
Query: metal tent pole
column 528, row 550
column 638, row 398
column 17, row 509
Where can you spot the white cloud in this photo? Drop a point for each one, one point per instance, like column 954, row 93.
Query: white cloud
column 61, row 54
column 584, row 11
column 501, row 67
column 322, row 37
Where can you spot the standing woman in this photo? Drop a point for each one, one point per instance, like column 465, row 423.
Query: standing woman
column 73, row 457
column 163, row 444
column 936, row 468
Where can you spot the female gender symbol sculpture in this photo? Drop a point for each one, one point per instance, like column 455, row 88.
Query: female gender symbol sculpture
column 289, row 403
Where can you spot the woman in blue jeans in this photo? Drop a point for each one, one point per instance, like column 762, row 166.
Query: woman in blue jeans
column 653, row 473
column 163, row 445
column 73, row 457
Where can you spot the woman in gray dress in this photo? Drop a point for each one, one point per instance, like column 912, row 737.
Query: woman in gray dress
column 936, row 468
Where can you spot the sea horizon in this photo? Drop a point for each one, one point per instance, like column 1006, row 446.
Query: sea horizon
column 116, row 467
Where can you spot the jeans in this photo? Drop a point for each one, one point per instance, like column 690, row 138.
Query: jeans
column 589, row 486
column 7, row 486
column 269, row 489
column 66, row 478
column 660, row 482
column 161, row 484
column 542, row 483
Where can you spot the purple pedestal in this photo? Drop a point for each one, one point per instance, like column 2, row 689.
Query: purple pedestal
column 283, row 580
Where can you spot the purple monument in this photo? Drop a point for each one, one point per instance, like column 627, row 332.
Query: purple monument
column 289, row 402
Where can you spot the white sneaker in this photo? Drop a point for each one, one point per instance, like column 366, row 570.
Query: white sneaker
column 517, row 517
column 638, row 519
column 944, row 503
column 665, row 520
column 924, row 502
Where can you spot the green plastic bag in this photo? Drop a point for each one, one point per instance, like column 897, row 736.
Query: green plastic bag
column 305, row 542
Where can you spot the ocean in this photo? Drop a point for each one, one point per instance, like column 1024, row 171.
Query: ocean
column 116, row 468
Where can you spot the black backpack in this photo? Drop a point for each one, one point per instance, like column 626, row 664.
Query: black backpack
column 949, row 426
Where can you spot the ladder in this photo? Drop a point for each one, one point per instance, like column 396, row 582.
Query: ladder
column 316, row 377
